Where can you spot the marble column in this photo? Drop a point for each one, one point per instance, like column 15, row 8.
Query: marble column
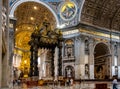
column 11, row 47
column 0, row 42
column 77, row 56
column 11, row 39
column 6, row 72
column 119, row 59
column 91, row 59
column 112, row 66
column 82, row 58
column 116, row 57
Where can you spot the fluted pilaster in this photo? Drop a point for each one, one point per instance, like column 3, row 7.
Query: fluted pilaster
column 91, row 59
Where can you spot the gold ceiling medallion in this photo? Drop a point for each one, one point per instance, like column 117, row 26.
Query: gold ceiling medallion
column 68, row 10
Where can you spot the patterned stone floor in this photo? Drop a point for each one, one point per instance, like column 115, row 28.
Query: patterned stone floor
column 83, row 85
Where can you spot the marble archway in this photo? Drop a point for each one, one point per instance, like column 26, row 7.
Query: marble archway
column 17, row 3
column 101, row 61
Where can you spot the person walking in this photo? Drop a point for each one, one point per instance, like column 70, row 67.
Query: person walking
column 115, row 83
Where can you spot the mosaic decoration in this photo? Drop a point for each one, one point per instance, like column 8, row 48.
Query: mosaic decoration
column 68, row 10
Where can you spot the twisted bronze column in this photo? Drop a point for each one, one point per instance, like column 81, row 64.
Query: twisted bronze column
column 52, row 61
column 60, row 59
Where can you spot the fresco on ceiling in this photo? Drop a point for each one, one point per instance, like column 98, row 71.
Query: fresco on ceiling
column 68, row 13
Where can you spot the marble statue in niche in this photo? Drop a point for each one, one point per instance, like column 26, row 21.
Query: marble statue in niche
column 65, row 51
column 86, row 46
column 99, row 72
column 86, row 69
column 68, row 71
column 69, row 52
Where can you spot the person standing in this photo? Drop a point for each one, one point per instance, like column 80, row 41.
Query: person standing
column 115, row 83
column 71, row 82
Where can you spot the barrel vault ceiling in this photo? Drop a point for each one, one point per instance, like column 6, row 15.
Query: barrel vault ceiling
column 103, row 13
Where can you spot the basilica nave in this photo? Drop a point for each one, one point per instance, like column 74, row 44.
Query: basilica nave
column 43, row 41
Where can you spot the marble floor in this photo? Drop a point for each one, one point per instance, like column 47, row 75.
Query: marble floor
column 83, row 85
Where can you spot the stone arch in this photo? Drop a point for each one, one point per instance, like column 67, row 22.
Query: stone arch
column 14, row 6
column 101, row 61
column 105, row 44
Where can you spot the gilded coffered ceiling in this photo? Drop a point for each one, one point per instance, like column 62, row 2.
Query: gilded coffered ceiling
column 103, row 13
column 28, row 15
